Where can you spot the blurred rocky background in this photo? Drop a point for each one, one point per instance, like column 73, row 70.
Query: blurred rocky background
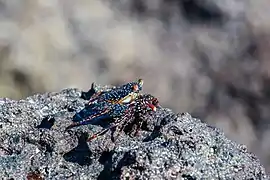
column 210, row 58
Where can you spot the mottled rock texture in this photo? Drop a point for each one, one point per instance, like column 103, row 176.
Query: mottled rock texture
column 206, row 57
column 34, row 145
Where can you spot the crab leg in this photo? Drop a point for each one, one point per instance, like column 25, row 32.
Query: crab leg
column 91, row 119
column 89, row 94
column 94, row 97
column 138, row 128
column 124, row 121
column 100, row 133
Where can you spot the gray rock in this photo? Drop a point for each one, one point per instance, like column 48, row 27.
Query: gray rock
column 35, row 145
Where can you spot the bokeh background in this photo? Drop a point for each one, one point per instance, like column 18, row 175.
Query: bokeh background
column 210, row 58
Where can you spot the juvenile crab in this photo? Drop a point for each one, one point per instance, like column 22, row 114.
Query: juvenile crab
column 116, row 95
column 120, row 114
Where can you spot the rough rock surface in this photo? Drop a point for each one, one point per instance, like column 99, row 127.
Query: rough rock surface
column 34, row 145
column 210, row 57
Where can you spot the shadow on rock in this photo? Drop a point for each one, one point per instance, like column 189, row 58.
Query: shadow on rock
column 47, row 122
column 106, row 160
column 128, row 159
column 80, row 154
column 156, row 131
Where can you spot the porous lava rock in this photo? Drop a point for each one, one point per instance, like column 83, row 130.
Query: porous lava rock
column 35, row 145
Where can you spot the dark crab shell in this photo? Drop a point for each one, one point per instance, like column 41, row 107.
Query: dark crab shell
column 119, row 94
column 99, row 112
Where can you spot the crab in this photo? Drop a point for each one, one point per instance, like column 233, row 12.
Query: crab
column 116, row 95
column 138, row 112
column 121, row 114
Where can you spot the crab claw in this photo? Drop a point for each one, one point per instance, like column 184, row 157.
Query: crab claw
column 155, row 102
column 126, row 99
column 129, row 98
column 92, row 137
column 154, row 108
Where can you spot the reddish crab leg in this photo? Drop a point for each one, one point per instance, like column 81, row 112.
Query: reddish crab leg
column 95, row 96
column 100, row 133
column 154, row 108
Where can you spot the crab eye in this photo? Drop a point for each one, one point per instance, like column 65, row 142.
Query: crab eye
column 140, row 81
